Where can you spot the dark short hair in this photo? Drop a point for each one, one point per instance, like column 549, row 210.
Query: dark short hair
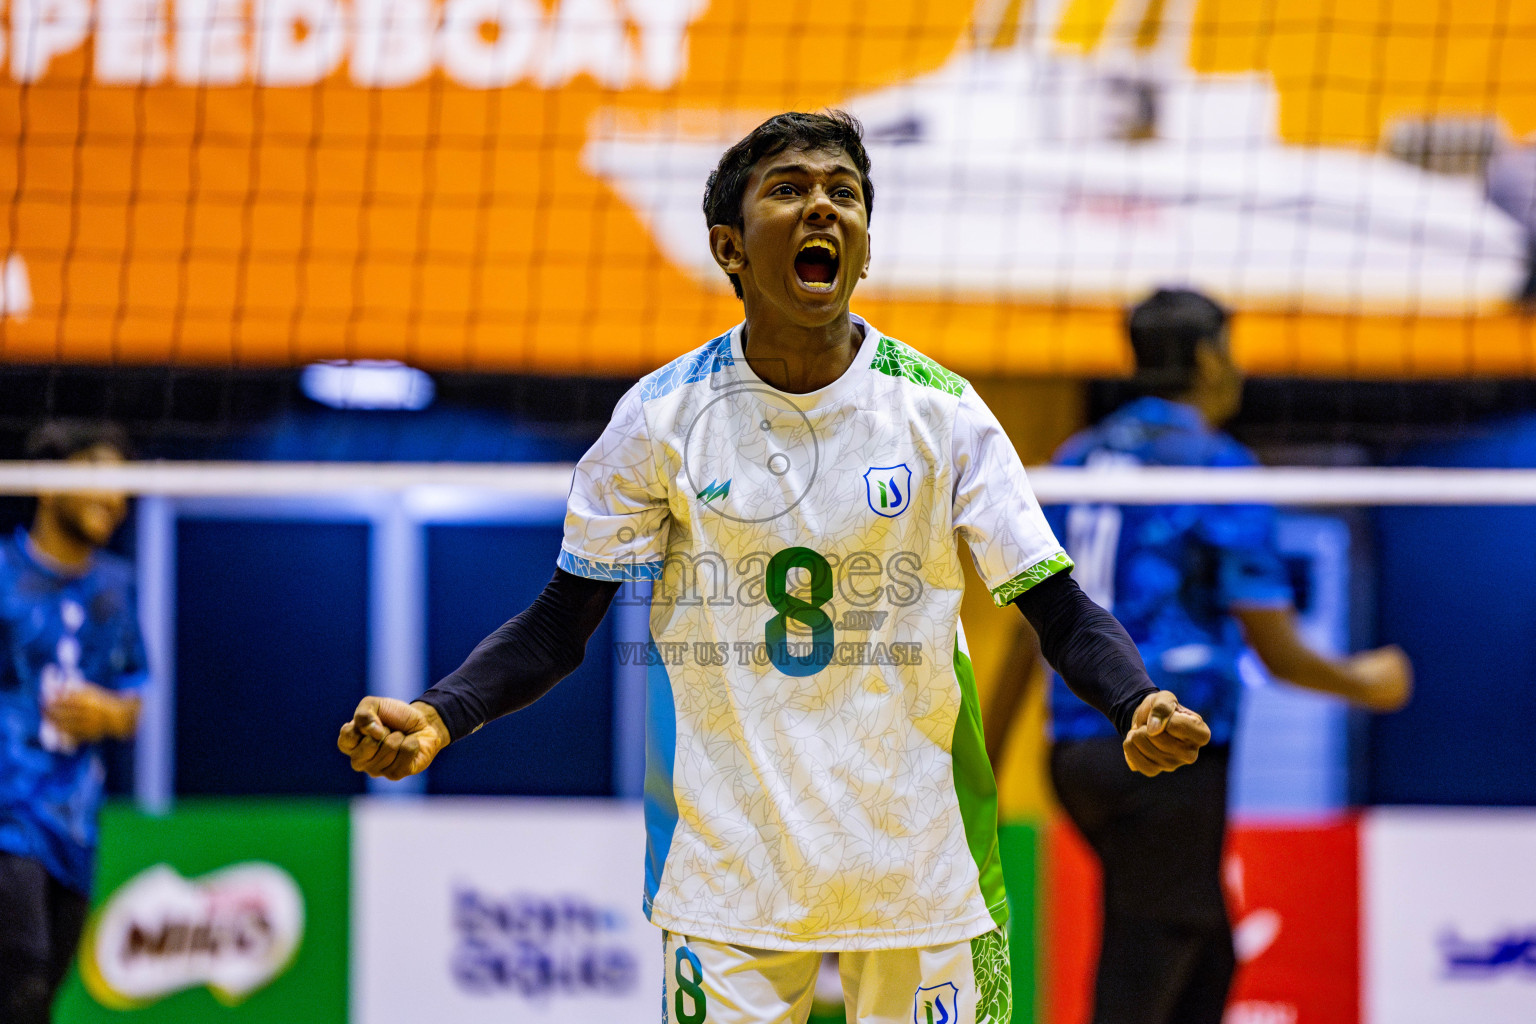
column 62, row 439
column 727, row 185
column 1166, row 330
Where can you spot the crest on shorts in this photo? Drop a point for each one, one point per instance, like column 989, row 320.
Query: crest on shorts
column 889, row 489
column 936, row 1004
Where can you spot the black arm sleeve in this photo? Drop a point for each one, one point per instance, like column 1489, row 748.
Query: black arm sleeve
column 1088, row 647
column 525, row 657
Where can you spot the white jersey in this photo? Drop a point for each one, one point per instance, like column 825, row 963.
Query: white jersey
column 816, row 775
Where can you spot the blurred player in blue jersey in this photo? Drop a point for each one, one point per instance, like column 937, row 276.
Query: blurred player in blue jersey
column 73, row 662
column 1195, row 586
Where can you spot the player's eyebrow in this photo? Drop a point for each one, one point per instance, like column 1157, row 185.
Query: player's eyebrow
column 805, row 170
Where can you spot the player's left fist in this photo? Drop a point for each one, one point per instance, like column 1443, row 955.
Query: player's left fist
column 1164, row 735
column 87, row 713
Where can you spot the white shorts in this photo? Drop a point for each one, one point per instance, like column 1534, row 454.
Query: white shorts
column 959, row 983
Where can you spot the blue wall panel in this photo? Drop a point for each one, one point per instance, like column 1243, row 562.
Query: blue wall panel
column 1458, row 593
column 477, row 578
column 271, row 654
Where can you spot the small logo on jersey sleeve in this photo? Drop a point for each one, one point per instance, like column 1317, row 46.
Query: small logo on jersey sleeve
column 937, row 1004
column 889, row 489
column 714, row 491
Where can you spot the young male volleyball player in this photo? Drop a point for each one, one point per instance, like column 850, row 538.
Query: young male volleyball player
column 816, row 775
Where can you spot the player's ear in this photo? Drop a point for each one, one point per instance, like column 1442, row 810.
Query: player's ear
column 868, row 251
column 1212, row 364
column 725, row 245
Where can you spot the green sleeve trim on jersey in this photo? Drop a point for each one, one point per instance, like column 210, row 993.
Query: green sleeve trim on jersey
column 895, row 359
column 976, row 790
column 1036, row 573
column 992, row 972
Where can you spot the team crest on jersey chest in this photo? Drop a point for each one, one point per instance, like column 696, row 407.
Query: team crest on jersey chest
column 888, row 489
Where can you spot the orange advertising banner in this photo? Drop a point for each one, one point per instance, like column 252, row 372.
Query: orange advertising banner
column 516, row 184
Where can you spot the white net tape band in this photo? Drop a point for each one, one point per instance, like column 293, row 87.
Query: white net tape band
column 1053, row 485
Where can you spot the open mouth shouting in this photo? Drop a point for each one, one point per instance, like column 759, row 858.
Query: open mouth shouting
column 816, row 264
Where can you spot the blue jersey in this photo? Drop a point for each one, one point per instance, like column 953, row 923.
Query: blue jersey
column 57, row 630
column 1172, row 574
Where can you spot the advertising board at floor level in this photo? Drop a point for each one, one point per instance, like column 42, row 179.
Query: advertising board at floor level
column 1292, row 893
column 1450, row 916
column 499, row 910
column 218, row 911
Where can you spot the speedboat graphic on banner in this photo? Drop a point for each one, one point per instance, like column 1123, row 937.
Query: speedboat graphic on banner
column 1031, row 173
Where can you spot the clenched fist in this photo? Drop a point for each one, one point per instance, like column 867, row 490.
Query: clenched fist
column 86, row 713
column 392, row 739
column 1383, row 678
column 1163, row 735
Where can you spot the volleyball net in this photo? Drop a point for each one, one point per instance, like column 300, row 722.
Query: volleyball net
column 1306, row 487
column 514, row 185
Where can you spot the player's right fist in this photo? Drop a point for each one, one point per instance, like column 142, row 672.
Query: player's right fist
column 392, row 739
